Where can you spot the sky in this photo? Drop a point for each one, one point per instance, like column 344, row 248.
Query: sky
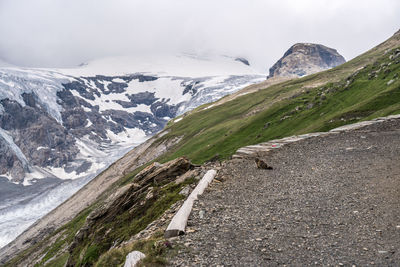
column 65, row 33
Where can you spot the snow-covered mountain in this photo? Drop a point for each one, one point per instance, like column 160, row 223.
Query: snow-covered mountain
column 61, row 127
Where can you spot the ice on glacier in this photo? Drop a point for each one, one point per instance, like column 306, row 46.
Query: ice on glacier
column 44, row 84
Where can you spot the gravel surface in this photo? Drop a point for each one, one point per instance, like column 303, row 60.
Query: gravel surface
column 331, row 201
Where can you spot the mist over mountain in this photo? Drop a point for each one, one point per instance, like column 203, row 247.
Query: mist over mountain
column 59, row 33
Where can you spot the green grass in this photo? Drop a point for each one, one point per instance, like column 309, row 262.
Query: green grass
column 49, row 249
column 69, row 231
column 59, row 261
column 92, row 253
column 125, row 224
column 156, row 249
column 225, row 128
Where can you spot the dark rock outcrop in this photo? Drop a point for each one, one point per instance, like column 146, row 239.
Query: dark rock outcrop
column 9, row 160
column 304, row 59
column 38, row 136
column 128, row 202
column 46, row 142
column 243, row 60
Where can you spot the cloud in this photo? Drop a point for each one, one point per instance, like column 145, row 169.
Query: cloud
column 68, row 32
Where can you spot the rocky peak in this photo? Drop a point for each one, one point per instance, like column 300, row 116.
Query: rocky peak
column 304, row 59
column 243, row 60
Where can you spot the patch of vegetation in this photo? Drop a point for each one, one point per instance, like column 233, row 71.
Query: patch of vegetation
column 92, row 253
column 59, row 261
column 68, row 233
column 107, row 233
column 156, row 249
column 65, row 235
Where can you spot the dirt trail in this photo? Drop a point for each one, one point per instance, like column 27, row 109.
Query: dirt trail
column 330, row 200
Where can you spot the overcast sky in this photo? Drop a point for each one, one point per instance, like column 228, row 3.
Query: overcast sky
column 63, row 33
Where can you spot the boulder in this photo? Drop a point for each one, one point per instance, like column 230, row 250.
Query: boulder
column 133, row 258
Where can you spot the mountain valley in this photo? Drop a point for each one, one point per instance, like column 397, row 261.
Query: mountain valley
column 58, row 131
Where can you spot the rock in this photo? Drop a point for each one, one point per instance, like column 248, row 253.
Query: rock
column 130, row 198
column 9, row 162
column 187, row 175
column 133, row 258
column 190, row 88
column 390, row 82
column 150, row 194
column 127, row 195
column 185, row 191
column 201, row 214
column 304, row 59
column 243, row 60
column 170, row 170
column 146, row 98
column 149, row 169
column 17, row 171
column 310, row 106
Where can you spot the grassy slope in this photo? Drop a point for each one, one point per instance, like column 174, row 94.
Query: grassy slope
column 317, row 102
column 224, row 128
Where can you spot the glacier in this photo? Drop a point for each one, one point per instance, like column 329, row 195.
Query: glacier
column 81, row 120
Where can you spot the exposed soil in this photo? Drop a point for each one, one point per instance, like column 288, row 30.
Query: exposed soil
column 330, row 200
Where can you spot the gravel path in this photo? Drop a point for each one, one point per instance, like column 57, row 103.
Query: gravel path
column 332, row 200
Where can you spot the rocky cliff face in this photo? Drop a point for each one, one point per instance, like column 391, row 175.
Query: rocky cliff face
column 304, row 58
column 55, row 125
